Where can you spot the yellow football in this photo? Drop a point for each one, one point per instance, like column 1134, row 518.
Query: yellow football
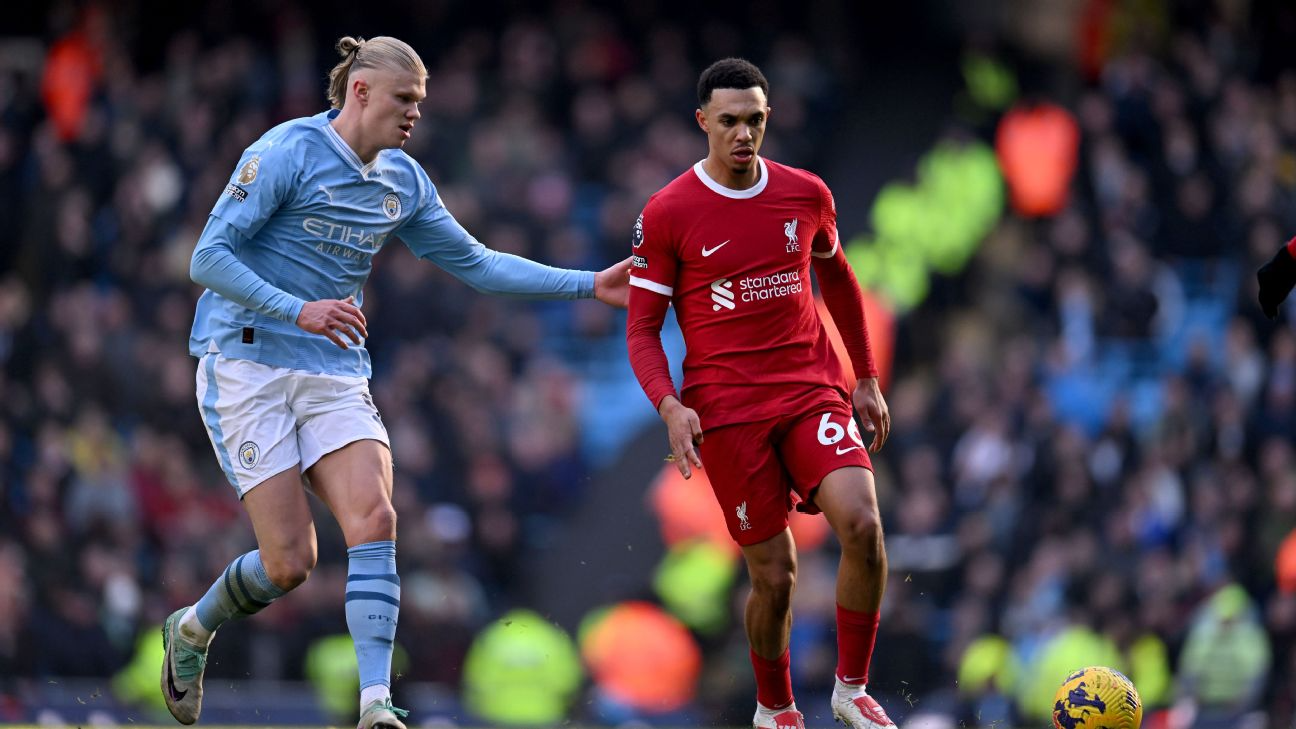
column 1097, row 697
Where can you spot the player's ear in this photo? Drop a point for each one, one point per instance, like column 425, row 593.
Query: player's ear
column 701, row 120
column 361, row 90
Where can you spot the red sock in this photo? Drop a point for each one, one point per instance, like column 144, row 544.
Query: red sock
column 773, row 680
column 856, row 633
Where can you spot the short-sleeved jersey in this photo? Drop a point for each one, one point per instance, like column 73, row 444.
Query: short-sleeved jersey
column 736, row 266
column 312, row 216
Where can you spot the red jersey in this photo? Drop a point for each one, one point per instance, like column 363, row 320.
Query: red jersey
column 736, row 265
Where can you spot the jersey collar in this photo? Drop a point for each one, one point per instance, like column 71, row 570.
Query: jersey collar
column 719, row 189
column 344, row 149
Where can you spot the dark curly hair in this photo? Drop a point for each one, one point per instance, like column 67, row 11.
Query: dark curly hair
column 730, row 73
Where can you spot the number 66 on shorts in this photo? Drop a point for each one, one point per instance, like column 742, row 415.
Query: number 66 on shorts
column 755, row 467
column 830, row 433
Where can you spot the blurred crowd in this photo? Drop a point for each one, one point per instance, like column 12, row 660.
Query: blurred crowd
column 1091, row 451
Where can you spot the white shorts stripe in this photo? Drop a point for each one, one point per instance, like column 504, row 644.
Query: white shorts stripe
column 653, row 286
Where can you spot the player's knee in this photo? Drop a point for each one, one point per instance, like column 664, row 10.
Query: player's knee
column 380, row 524
column 775, row 582
column 861, row 535
column 385, row 523
column 289, row 568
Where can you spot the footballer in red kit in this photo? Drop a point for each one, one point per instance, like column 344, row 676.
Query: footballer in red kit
column 730, row 243
column 736, row 265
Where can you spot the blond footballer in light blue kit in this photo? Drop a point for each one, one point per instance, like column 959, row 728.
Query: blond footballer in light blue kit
column 282, row 379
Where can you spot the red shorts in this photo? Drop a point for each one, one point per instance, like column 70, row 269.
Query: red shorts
column 755, row 467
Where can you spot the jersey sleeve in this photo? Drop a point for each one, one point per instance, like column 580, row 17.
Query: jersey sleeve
column 431, row 228
column 433, row 233
column 263, row 181
column 216, row 266
column 825, row 243
column 841, row 290
column 652, row 280
column 653, row 262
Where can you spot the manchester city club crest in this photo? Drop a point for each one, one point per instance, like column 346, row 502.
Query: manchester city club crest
column 249, row 454
column 392, row 205
column 249, row 171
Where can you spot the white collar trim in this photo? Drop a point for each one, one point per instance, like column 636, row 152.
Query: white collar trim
column 347, row 153
column 729, row 192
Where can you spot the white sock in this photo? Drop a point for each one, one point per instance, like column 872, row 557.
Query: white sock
column 193, row 631
column 370, row 694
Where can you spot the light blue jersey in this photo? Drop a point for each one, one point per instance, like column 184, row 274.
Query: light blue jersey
column 301, row 220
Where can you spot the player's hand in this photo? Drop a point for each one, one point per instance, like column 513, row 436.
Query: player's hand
column 684, row 430
column 1276, row 279
column 872, row 408
column 612, row 284
column 334, row 318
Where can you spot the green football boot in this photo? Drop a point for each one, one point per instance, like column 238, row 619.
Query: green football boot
column 380, row 714
column 182, row 671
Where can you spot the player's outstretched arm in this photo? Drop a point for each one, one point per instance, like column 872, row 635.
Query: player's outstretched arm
column 1276, row 279
column 612, row 284
column 433, row 233
column 872, row 407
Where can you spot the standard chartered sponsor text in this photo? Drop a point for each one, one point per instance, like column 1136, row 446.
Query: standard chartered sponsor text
column 760, row 288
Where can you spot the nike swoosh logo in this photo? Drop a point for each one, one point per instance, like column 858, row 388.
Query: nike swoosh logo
column 177, row 695
column 708, row 251
column 839, row 452
column 853, row 679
